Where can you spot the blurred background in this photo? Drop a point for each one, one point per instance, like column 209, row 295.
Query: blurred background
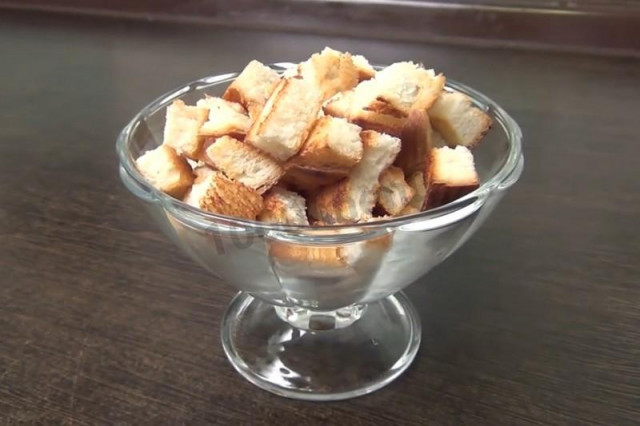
column 609, row 26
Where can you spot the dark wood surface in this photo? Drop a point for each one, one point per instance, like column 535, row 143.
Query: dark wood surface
column 535, row 321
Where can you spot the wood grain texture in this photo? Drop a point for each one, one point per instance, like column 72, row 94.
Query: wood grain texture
column 102, row 321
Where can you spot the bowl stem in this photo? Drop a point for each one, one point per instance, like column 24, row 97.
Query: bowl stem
column 307, row 319
column 321, row 356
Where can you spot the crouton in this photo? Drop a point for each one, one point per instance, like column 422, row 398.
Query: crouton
column 253, row 86
column 451, row 175
column 459, row 122
column 243, row 163
column 395, row 193
column 287, row 118
column 182, row 127
column 166, row 170
column 352, row 199
column 225, row 118
column 334, row 143
column 285, row 207
column 216, row 193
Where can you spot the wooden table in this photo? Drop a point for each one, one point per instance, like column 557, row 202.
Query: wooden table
column 534, row 321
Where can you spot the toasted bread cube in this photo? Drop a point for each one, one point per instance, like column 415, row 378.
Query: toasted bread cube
column 287, row 118
column 379, row 122
column 243, row 163
column 459, row 122
column 218, row 194
column 361, row 253
column 339, row 105
column 225, row 118
column 417, row 202
column 395, row 193
column 398, row 89
column 334, row 71
column 383, row 102
column 352, row 199
column 334, row 143
column 452, row 174
column 307, row 255
column 376, row 117
column 182, row 127
column 408, row 86
column 166, row 170
column 307, row 179
column 285, row 207
column 352, row 104
column 365, row 70
column 416, row 143
column 253, row 87
column 293, row 254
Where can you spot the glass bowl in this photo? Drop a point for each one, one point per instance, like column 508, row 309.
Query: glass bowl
column 320, row 314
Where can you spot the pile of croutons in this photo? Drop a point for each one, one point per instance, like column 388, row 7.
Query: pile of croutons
column 332, row 141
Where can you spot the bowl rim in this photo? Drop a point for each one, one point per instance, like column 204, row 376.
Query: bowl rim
column 506, row 176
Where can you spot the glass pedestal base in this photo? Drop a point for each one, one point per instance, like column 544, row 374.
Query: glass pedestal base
column 321, row 356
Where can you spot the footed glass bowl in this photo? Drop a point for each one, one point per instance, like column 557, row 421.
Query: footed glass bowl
column 320, row 314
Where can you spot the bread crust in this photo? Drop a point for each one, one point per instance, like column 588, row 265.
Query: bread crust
column 418, row 201
column 440, row 190
column 365, row 70
column 166, row 170
column 333, row 71
column 241, row 161
column 182, row 126
column 322, row 149
column 372, row 117
column 287, row 118
column 442, row 193
column 395, row 193
column 253, row 86
column 285, row 207
column 352, row 199
column 458, row 121
column 380, row 104
column 224, row 118
column 416, row 143
column 309, row 180
column 218, row 194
